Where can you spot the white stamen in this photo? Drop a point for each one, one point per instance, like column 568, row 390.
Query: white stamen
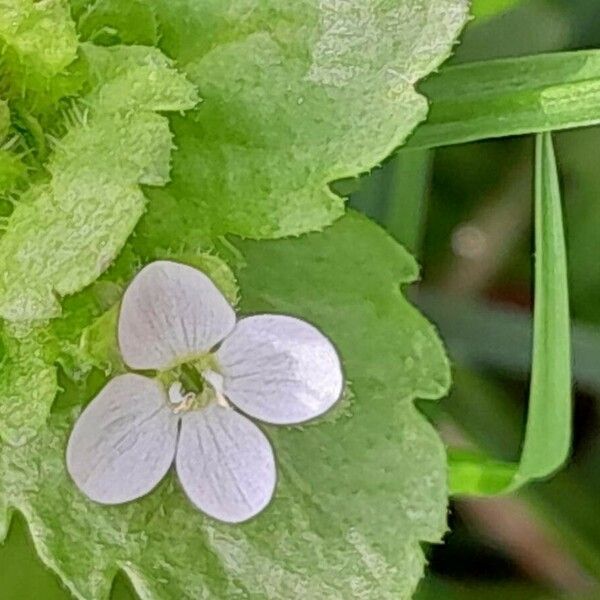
column 216, row 381
column 176, row 393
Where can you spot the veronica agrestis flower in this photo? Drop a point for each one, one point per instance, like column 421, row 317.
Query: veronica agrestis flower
column 211, row 372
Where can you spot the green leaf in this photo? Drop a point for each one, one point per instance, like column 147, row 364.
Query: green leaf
column 28, row 385
column 476, row 473
column 39, row 46
column 511, row 97
column 109, row 22
column 38, row 39
column 356, row 493
column 292, row 101
column 484, row 9
column 64, row 233
column 18, row 558
column 4, row 120
column 12, row 170
column 548, row 435
column 548, row 430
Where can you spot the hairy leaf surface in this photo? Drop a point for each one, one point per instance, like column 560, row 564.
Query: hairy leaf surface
column 38, row 38
column 296, row 95
column 65, row 232
column 28, row 385
column 357, row 490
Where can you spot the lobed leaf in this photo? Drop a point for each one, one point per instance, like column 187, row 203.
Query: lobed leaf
column 347, row 525
column 64, row 233
column 285, row 85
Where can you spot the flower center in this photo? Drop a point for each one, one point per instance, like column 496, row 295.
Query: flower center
column 193, row 385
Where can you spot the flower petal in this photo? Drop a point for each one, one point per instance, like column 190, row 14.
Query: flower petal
column 124, row 441
column 280, row 369
column 171, row 311
column 225, row 464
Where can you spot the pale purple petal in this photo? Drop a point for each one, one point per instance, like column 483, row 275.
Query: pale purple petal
column 171, row 312
column 280, row 369
column 124, row 441
column 225, row 464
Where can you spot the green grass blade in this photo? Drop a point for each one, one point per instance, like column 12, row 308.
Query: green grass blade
column 567, row 505
column 513, row 96
column 548, row 435
column 476, row 473
column 548, row 430
column 406, row 201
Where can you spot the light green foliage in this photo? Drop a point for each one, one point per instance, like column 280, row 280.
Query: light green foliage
column 511, row 96
column 285, row 85
column 295, row 95
column 347, row 525
column 4, row 120
column 38, row 45
column 27, row 385
column 11, row 167
column 66, row 232
column 484, row 9
column 12, row 170
column 39, row 38
column 109, row 22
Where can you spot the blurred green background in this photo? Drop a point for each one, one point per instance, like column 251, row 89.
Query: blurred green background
column 472, row 234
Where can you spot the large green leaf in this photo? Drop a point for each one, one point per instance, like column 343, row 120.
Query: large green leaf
column 65, row 232
column 357, row 492
column 296, row 94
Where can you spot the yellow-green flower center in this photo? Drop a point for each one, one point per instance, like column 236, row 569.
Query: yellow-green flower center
column 187, row 388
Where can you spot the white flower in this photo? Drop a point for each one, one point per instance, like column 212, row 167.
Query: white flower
column 174, row 321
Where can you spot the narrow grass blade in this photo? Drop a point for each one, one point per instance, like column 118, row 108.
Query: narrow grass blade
column 548, row 430
column 406, row 202
column 513, row 96
column 475, row 473
column 548, row 434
